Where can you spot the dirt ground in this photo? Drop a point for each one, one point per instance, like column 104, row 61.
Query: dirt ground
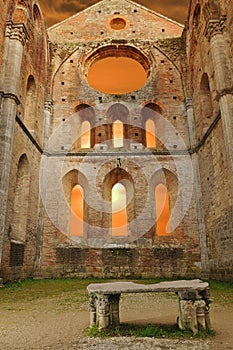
column 57, row 323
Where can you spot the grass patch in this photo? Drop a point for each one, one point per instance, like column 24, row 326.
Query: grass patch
column 147, row 331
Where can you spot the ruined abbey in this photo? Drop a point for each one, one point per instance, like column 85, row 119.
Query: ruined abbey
column 66, row 143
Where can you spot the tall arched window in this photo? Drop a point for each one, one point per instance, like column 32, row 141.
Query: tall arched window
column 118, row 134
column 119, row 214
column 162, row 210
column 19, row 221
column 150, row 134
column 206, row 101
column 30, row 104
column 77, row 208
column 86, row 134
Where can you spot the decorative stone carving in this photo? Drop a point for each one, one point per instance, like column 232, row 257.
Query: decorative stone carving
column 103, row 311
column 214, row 27
column 16, row 32
column 92, row 309
column 48, row 105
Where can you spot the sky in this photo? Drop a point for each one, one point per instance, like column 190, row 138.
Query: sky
column 57, row 10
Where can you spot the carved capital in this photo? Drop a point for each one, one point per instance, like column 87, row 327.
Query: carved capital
column 188, row 102
column 16, row 31
column 215, row 27
column 48, row 105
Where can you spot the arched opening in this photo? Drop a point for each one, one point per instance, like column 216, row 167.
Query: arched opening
column 152, row 125
column 162, row 210
column 85, row 121
column 86, row 134
column 21, row 200
column 205, row 101
column 77, row 208
column 118, row 134
column 196, row 15
column 118, row 116
column 119, row 214
column 150, row 134
column 30, row 104
column 117, row 69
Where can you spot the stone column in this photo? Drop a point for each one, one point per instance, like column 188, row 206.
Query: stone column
column 223, row 69
column 15, row 39
column 197, row 185
column 103, row 311
column 47, row 120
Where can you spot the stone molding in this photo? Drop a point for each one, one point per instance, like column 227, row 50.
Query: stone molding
column 16, row 31
column 215, row 27
column 188, row 102
column 48, row 105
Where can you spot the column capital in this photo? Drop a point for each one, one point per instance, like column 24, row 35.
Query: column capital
column 48, row 105
column 188, row 102
column 16, row 31
column 214, row 27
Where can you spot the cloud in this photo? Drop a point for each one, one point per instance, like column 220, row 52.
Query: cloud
column 56, row 11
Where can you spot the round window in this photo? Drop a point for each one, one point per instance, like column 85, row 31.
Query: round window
column 118, row 23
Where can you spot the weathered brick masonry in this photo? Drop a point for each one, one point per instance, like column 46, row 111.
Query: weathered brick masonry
column 45, row 98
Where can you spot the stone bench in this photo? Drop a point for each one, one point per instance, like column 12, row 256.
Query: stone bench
column 193, row 299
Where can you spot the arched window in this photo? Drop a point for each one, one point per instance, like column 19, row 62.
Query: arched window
column 85, row 134
column 119, row 214
column 206, row 101
column 118, row 134
column 162, row 210
column 20, row 211
column 150, row 134
column 77, row 208
column 30, row 104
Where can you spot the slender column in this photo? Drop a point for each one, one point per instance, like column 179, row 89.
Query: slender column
column 197, row 186
column 15, row 38
column 47, row 119
column 223, row 68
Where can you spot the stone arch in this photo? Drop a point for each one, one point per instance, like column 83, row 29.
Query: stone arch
column 212, row 10
column 30, row 104
column 37, row 15
column 69, row 181
column 121, row 176
column 21, row 200
column 206, row 101
column 168, row 179
column 84, row 113
column 151, row 112
column 118, row 112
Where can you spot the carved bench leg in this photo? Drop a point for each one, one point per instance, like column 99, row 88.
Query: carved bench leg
column 103, row 311
column 114, row 309
column 201, row 314
column 92, row 309
column 187, row 312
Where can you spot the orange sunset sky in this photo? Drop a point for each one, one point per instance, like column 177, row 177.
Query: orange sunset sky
column 55, row 11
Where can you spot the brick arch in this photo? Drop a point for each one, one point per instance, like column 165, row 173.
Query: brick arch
column 119, row 175
column 21, row 200
column 152, row 111
column 206, row 104
column 84, row 113
column 69, row 181
column 169, row 179
column 118, row 112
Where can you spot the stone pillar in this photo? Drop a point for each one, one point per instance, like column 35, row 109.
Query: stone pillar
column 103, row 311
column 92, row 309
column 114, row 309
column 197, row 185
column 47, row 120
column 187, row 311
column 223, row 69
column 15, row 38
